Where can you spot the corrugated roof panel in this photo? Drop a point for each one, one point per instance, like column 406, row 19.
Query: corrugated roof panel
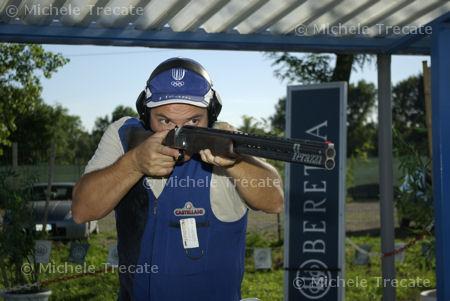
column 84, row 7
column 432, row 10
column 133, row 15
column 376, row 12
column 153, row 12
column 337, row 14
column 190, row 13
column 92, row 18
column 229, row 14
column 267, row 15
column 321, row 11
column 122, row 9
column 395, row 16
column 207, row 15
column 350, row 14
column 298, row 16
column 39, row 15
column 432, row 15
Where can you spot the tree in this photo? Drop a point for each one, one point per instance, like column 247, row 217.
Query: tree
column 102, row 123
column 20, row 69
column 122, row 111
column 278, row 119
column 361, row 130
column 38, row 128
column 316, row 68
column 252, row 125
column 408, row 112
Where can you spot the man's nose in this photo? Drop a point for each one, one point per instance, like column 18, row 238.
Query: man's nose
column 179, row 124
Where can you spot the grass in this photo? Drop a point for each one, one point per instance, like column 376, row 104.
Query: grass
column 366, row 171
column 266, row 285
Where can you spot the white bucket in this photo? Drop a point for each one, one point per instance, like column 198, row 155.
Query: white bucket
column 428, row 295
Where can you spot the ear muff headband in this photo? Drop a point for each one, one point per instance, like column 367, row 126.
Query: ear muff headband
column 215, row 104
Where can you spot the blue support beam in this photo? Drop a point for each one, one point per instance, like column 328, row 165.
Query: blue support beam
column 57, row 33
column 440, row 68
column 414, row 38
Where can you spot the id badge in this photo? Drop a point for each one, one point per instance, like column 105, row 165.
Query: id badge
column 189, row 233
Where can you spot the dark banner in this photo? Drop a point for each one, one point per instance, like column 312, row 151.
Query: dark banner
column 315, row 197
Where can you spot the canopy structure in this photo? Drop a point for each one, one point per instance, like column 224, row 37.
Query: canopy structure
column 382, row 27
column 370, row 26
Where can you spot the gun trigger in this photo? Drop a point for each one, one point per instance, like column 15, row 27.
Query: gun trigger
column 180, row 157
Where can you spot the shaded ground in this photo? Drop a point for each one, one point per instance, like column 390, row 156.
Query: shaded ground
column 360, row 217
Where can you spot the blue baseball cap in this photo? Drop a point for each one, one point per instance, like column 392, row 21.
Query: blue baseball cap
column 178, row 85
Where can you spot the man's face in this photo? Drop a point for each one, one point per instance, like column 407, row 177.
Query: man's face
column 167, row 117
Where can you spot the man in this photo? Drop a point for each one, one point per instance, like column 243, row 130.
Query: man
column 188, row 220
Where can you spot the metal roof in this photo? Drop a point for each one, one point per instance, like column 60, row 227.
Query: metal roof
column 370, row 26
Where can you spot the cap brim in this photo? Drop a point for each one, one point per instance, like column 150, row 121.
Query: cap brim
column 201, row 104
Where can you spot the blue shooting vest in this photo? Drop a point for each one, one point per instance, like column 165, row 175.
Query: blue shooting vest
column 155, row 264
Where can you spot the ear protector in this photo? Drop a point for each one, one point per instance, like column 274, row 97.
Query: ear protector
column 215, row 104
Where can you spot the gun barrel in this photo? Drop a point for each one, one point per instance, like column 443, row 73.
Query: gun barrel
column 221, row 142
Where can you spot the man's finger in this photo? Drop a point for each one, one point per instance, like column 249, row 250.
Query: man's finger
column 202, row 155
column 209, row 156
column 168, row 151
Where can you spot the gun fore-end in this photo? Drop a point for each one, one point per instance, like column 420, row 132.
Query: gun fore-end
column 192, row 140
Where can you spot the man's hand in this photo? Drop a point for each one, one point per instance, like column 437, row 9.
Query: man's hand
column 151, row 158
column 208, row 157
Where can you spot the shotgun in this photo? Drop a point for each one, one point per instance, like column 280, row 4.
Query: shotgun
column 231, row 143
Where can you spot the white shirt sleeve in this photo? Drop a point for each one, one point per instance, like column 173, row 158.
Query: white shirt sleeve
column 226, row 203
column 109, row 149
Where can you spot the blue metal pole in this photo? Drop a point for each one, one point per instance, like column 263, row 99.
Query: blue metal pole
column 440, row 68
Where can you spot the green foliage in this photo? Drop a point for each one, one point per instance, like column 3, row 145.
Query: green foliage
column 306, row 69
column 408, row 111
column 316, row 68
column 122, row 111
column 103, row 286
column 252, row 125
column 16, row 229
column 102, row 123
column 38, row 128
column 412, row 272
column 415, row 196
column 256, row 126
column 278, row 119
column 20, row 88
column 361, row 130
column 266, row 285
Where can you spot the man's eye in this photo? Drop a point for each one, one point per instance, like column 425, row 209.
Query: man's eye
column 194, row 121
column 164, row 121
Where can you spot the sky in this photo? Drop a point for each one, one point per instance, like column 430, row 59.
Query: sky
column 99, row 78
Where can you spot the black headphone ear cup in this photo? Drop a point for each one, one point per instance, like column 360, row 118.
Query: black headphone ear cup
column 214, row 108
column 142, row 109
column 140, row 106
